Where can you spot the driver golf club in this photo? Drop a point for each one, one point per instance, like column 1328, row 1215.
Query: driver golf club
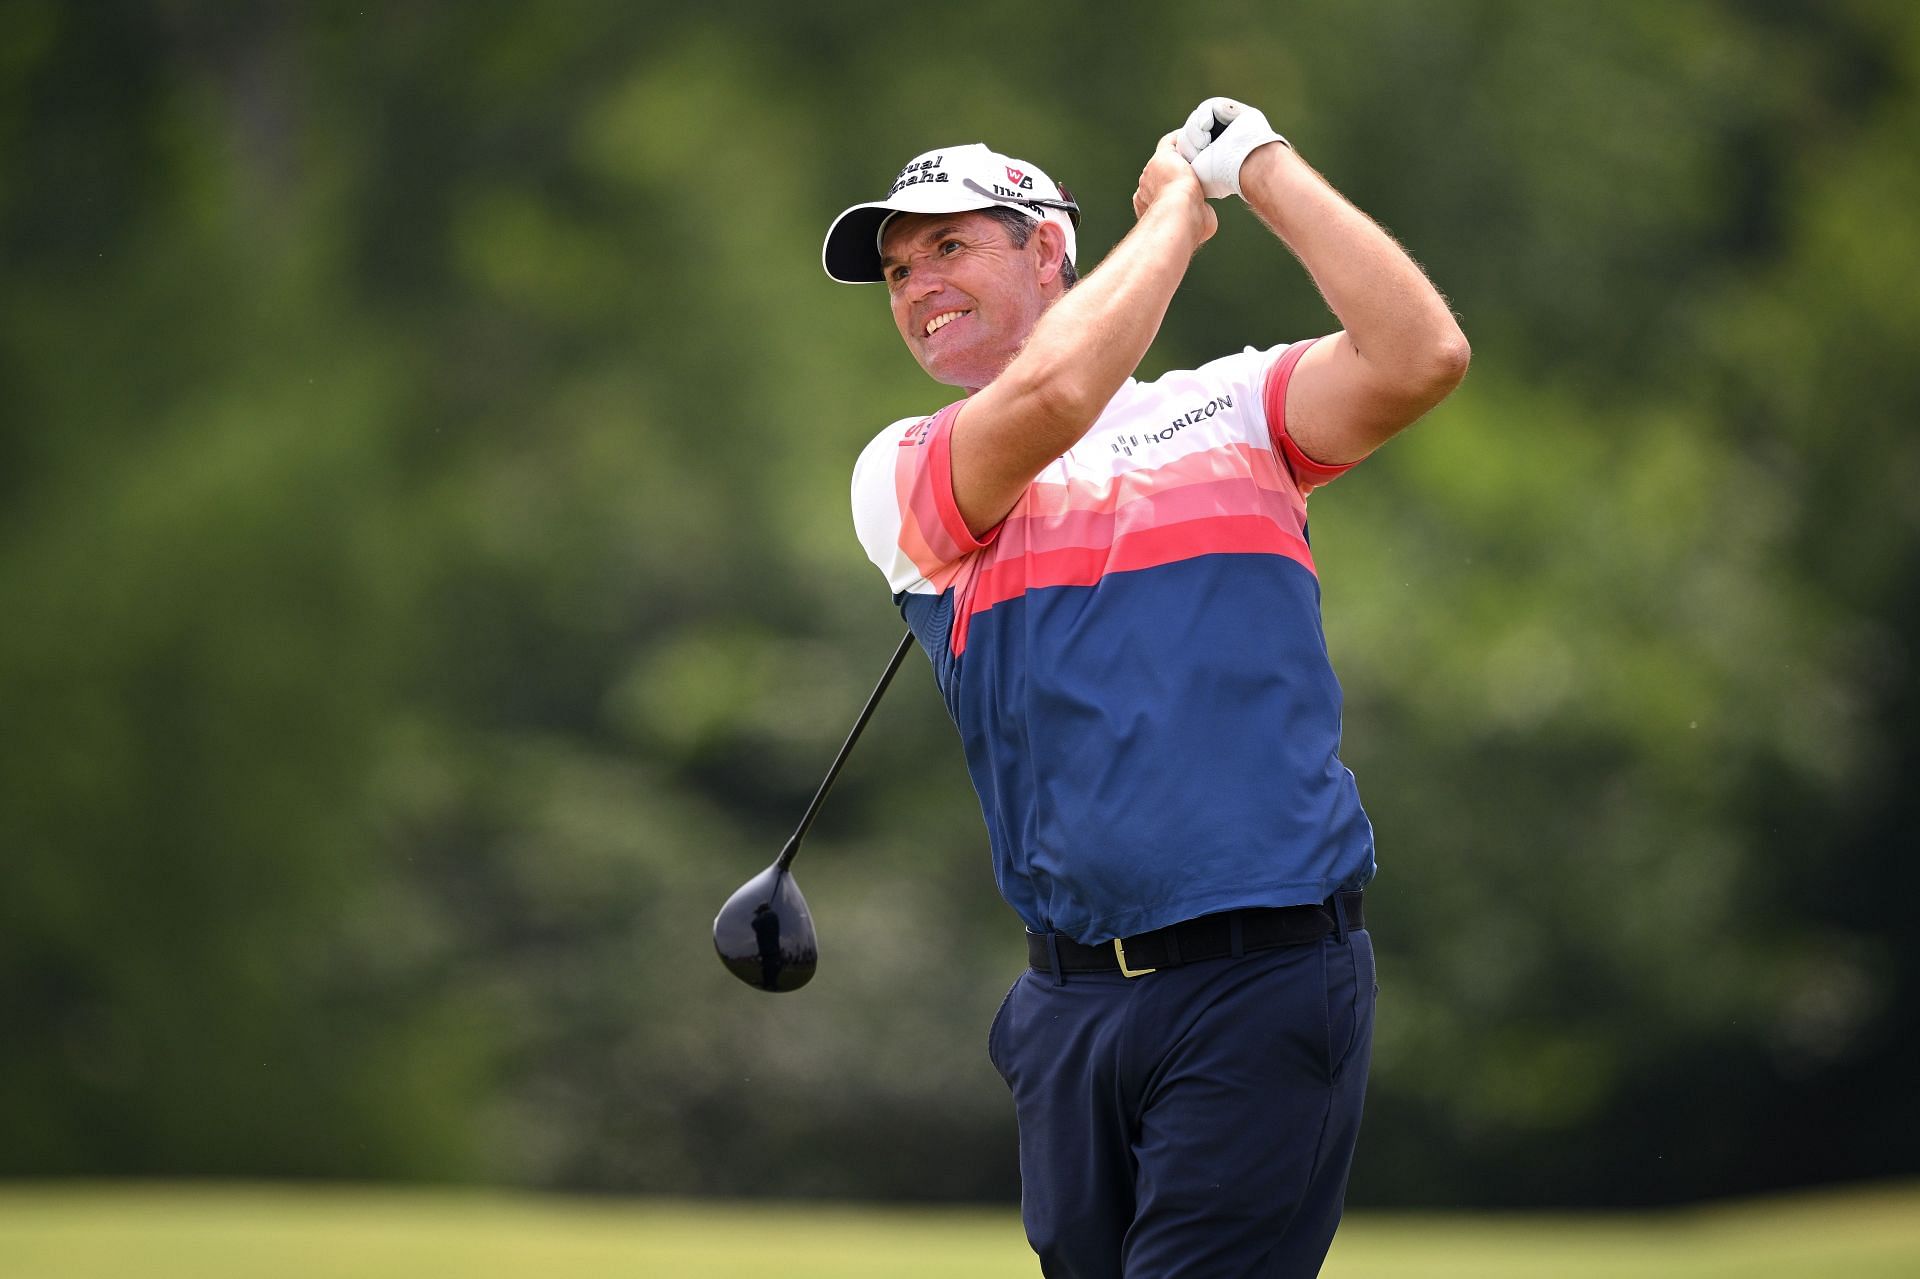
column 764, row 934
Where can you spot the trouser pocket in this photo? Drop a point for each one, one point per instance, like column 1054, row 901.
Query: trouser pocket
column 1351, row 986
column 994, row 1028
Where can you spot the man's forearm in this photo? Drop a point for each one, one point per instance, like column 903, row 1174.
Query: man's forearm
column 1092, row 340
column 1397, row 320
column 1078, row 355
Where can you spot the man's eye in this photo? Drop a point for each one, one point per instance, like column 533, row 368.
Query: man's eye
column 896, row 275
column 949, row 246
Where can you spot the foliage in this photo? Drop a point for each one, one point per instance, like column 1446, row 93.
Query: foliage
column 429, row 588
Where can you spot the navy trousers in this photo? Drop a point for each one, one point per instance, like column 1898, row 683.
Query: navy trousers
column 1195, row 1122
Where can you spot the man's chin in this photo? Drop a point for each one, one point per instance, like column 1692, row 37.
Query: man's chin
column 968, row 375
column 951, row 373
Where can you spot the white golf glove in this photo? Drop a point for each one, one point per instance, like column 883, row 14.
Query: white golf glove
column 1218, row 137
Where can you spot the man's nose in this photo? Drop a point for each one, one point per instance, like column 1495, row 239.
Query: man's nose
column 924, row 281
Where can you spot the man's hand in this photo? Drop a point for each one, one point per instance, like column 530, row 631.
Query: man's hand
column 1169, row 177
column 1218, row 137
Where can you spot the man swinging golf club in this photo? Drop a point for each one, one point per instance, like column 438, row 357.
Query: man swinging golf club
column 1112, row 581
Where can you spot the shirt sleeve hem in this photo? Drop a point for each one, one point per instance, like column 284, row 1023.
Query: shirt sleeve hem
column 1307, row 473
column 941, row 462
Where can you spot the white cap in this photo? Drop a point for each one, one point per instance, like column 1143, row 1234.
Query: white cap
column 949, row 180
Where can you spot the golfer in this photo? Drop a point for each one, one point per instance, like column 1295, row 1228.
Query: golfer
column 1112, row 580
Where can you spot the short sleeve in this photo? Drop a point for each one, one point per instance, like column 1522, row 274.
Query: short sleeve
column 903, row 506
column 1307, row 473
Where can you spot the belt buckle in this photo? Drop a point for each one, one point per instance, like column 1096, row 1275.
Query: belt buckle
column 1120, row 953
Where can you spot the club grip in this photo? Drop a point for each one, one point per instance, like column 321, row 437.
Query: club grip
column 1223, row 115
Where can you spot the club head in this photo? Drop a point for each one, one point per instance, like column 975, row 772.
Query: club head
column 765, row 935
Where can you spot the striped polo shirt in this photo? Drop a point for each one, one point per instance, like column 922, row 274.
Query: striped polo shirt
column 1134, row 656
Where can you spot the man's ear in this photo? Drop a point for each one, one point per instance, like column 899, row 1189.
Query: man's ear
column 1052, row 248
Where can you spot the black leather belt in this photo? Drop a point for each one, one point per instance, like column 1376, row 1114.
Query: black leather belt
column 1232, row 932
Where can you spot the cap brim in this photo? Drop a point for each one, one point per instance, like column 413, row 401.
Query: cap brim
column 851, row 254
column 852, row 251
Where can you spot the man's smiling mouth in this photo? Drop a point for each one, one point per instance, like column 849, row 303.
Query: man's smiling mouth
column 941, row 321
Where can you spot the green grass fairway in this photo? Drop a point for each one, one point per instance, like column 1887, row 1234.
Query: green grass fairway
column 226, row 1232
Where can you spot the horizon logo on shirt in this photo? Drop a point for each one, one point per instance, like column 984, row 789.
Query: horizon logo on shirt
column 1126, row 444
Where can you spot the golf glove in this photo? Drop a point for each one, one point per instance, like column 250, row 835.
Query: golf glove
column 1218, row 137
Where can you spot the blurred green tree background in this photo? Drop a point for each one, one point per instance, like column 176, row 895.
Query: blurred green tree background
column 429, row 588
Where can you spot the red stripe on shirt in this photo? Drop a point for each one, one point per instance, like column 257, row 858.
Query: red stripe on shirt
column 1087, row 565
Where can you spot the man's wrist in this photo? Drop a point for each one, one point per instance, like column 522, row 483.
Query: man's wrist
column 1265, row 166
column 1182, row 216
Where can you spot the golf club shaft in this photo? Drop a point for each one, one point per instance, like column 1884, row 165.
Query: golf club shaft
column 793, row 845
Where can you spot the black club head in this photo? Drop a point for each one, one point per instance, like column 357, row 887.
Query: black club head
column 764, row 934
